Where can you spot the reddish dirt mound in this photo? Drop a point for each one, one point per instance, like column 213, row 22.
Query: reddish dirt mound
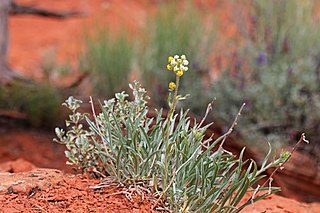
column 49, row 190
column 31, row 145
column 277, row 204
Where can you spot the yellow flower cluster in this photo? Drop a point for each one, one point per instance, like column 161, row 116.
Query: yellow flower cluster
column 178, row 64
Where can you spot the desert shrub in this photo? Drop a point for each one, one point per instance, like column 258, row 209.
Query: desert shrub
column 277, row 74
column 164, row 155
column 108, row 57
column 40, row 102
column 172, row 30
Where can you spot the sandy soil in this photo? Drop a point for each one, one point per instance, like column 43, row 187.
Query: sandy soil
column 50, row 190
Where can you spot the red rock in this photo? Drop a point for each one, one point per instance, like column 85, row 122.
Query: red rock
column 19, row 165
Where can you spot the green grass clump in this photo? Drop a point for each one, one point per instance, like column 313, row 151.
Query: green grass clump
column 109, row 59
column 166, row 156
column 175, row 29
column 40, row 102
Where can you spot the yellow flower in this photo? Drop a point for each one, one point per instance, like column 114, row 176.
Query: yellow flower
column 179, row 73
column 169, row 67
column 170, row 59
column 172, row 86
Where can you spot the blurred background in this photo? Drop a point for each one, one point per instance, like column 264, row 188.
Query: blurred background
column 265, row 53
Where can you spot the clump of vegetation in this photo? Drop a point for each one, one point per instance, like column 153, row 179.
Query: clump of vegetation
column 109, row 59
column 40, row 102
column 167, row 156
column 277, row 75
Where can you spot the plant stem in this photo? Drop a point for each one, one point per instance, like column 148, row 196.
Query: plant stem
column 175, row 100
column 167, row 132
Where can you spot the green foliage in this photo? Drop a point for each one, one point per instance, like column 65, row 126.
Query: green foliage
column 109, row 58
column 79, row 151
column 168, row 156
column 171, row 30
column 284, row 29
column 40, row 102
column 277, row 74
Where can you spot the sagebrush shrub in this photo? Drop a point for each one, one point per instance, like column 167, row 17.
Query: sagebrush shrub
column 276, row 74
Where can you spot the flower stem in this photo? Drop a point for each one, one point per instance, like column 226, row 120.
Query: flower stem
column 167, row 131
column 175, row 100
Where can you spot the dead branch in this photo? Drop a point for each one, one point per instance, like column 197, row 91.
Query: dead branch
column 17, row 9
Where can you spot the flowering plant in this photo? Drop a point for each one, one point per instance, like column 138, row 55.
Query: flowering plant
column 168, row 157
